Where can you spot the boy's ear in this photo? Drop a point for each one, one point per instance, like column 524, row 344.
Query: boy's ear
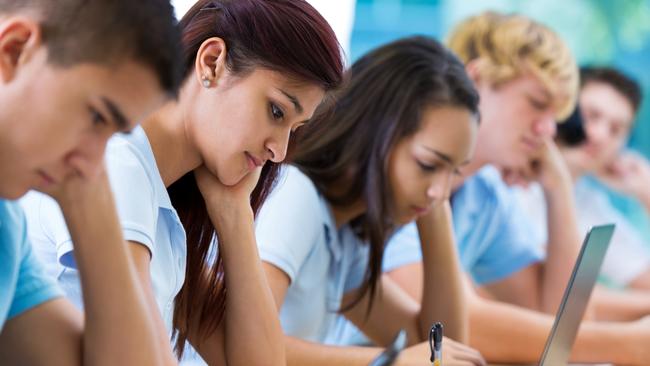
column 473, row 69
column 20, row 38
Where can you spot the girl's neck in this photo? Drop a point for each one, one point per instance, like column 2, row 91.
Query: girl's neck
column 343, row 215
column 172, row 145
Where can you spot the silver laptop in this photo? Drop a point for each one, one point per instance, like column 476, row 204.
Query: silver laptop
column 576, row 296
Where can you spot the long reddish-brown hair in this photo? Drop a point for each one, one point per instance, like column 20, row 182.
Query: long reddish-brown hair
column 288, row 36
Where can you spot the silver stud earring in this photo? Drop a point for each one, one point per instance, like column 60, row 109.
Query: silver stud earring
column 206, row 82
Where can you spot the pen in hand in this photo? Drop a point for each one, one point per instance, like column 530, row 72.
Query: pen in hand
column 435, row 342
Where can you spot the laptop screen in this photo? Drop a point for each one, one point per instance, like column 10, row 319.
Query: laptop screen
column 576, row 296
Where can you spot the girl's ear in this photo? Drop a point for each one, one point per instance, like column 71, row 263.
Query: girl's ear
column 211, row 61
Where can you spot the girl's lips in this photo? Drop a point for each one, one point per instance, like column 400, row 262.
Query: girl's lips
column 253, row 162
column 421, row 210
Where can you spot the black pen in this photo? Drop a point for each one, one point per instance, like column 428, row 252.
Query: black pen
column 435, row 342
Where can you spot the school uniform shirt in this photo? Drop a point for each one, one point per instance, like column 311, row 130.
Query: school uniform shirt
column 492, row 231
column 296, row 233
column 146, row 216
column 494, row 235
column 627, row 257
column 23, row 282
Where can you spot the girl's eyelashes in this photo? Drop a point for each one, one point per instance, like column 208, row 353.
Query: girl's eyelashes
column 276, row 112
column 430, row 168
column 427, row 167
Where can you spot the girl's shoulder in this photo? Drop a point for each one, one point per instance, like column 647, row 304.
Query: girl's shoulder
column 294, row 204
column 294, row 186
column 130, row 162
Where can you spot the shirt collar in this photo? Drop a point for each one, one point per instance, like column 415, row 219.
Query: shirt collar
column 139, row 138
column 332, row 235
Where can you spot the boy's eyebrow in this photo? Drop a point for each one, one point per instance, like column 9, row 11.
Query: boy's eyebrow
column 117, row 115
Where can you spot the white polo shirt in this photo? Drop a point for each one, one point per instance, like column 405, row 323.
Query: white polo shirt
column 627, row 257
column 296, row 232
column 145, row 213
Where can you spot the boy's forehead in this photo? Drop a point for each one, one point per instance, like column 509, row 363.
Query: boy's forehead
column 560, row 85
column 29, row 11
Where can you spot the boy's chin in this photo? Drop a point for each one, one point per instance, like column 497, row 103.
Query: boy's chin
column 12, row 193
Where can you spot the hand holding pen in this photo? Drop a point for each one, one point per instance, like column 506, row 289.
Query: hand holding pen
column 456, row 353
column 435, row 342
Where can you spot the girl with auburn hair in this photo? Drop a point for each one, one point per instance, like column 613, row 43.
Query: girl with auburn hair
column 198, row 169
column 379, row 155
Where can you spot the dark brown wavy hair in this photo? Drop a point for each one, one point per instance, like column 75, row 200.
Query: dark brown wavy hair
column 348, row 142
column 108, row 32
column 287, row 36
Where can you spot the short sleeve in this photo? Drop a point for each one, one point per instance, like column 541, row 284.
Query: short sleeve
column 33, row 286
column 513, row 247
column 133, row 191
column 628, row 255
column 290, row 222
column 403, row 248
column 134, row 198
column 48, row 232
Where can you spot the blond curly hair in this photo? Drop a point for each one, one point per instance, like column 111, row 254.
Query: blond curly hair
column 511, row 45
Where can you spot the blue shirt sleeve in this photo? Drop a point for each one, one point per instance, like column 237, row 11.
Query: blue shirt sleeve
column 403, row 248
column 289, row 223
column 495, row 237
column 33, row 286
column 513, row 247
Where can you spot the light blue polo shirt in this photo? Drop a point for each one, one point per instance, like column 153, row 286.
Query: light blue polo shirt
column 23, row 282
column 627, row 256
column 146, row 215
column 296, row 232
column 494, row 235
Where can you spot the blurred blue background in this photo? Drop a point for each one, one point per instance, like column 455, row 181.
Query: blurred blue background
column 601, row 32
column 613, row 32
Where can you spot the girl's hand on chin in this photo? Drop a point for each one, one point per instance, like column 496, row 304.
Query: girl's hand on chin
column 222, row 198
